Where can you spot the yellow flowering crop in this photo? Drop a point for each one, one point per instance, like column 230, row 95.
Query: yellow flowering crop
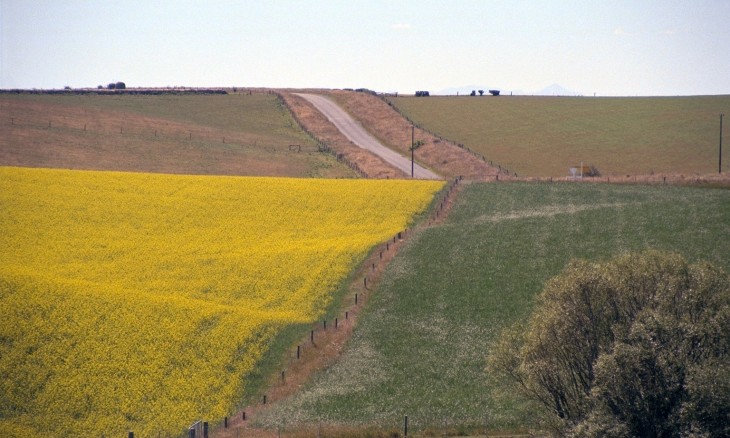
column 140, row 302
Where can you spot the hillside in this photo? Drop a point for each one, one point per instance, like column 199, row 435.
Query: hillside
column 235, row 134
column 421, row 344
column 545, row 136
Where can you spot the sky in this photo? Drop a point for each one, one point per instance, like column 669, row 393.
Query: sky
column 610, row 48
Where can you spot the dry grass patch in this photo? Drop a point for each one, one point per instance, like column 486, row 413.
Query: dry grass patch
column 219, row 135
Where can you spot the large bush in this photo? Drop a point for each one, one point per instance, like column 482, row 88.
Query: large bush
column 636, row 346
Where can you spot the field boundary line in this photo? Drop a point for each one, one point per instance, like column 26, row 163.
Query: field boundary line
column 326, row 340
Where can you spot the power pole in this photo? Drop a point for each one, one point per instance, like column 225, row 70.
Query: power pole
column 719, row 161
column 413, row 145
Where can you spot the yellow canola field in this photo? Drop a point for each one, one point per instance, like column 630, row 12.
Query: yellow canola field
column 140, row 302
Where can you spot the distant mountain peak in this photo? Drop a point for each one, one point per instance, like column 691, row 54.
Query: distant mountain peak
column 556, row 90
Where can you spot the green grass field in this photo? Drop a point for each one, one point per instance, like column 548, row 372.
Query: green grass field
column 545, row 136
column 420, row 347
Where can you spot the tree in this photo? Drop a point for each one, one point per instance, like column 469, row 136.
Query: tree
column 481, row 92
column 636, row 346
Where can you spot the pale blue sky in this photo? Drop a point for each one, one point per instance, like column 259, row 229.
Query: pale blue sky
column 606, row 47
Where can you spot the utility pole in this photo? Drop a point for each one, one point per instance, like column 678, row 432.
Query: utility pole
column 413, row 145
column 719, row 161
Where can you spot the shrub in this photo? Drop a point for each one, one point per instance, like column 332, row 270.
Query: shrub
column 636, row 346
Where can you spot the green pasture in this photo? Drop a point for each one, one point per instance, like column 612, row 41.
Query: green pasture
column 420, row 346
column 545, row 136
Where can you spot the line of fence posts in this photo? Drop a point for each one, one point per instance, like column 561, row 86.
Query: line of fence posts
column 321, row 145
column 397, row 237
column 200, row 428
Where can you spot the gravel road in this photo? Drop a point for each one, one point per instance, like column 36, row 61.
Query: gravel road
column 358, row 135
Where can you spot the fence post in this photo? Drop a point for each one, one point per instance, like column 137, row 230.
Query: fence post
column 205, row 429
column 298, row 353
column 356, row 299
column 405, row 426
column 225, row 422
column 131, row 434
column 311, row 336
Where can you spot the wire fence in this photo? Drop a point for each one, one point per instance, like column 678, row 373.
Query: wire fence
column 321, row 145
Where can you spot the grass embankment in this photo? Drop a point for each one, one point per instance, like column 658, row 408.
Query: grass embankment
column 544, row 136
column 421, row 344
column 236, row 134
column 144, row 302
